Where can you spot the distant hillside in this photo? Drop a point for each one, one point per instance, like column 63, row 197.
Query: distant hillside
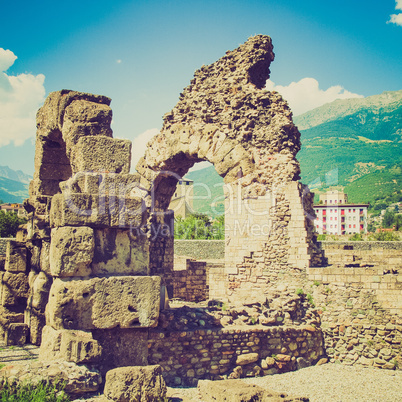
column 353, row 144
column 13, row 185
column 377, row 104
column 350, row 144
column 208, row 191
column 16, row 175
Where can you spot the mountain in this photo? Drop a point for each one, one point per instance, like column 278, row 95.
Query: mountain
column 376, row 104
column 16, row 175
column 355, row 145
column 208, row 191
column 13, row 185
column 349, row 144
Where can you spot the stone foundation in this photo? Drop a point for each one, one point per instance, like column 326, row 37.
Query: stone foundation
column 188, row 356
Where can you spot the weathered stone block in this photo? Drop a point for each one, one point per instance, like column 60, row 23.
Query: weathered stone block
column 78, row 210
column 14, row 289
column 79, row 347
column 120, row 251
column 39, row 292
column 78, row 379
column 71, row 251
column 102, row 154
column 9, row 316
column 36, row 321
column 69, row 345
column 123, row 301
column 96, row 211
column 16, row 334
column 246, row 359
column 16, row 257
column 229, row 390
column 135, row 384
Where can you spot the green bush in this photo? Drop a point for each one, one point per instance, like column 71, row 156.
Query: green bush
column 356, row 237
column 199, row 226
column 9, row 223
column 384, row 236
column 25, row 392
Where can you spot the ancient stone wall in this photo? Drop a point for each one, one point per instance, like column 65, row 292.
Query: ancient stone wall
column 190, row 284
column 226, row 117
column 87, row 254
column 3, row 244
column 188, row 356
column 200, row 249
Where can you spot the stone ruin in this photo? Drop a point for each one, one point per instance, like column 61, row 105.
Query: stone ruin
column 93, row 269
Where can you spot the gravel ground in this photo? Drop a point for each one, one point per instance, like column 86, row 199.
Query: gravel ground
column 325, row 383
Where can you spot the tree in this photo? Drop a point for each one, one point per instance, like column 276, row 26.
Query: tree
column 9, row 223
column 200, row 227
column 398, row 222
column 388, row 219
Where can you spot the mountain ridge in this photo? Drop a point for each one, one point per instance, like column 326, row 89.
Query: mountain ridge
column 344, row 107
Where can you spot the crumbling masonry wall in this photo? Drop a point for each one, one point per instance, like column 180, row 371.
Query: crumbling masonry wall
column 226, row 117
column 99, row 244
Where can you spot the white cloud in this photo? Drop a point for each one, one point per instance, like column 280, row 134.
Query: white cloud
column 118, row 61
column 7, row 58
column 20, row 98
column 396, row 18
column 140, row 144
column 306, row 94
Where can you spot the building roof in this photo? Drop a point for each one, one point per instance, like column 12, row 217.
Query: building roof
column 340, row 205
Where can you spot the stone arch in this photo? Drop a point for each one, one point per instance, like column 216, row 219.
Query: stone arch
column 226, row 117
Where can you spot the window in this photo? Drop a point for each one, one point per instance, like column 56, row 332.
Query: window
column 354, row 226
column 350, row 226
column 350, row 210
column 336, row 218
column 354, row 210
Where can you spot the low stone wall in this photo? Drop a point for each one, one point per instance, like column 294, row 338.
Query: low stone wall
column 190, row 284
column 372, row 267
column 383, row 253
column 216, row 279
column 359, row 327
column 189, row 356
column 365, row 344
column 200, row 249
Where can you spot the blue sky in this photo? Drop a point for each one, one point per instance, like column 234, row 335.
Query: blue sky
column 143, row 53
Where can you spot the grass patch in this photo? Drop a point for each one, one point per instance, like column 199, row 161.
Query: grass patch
column 26, row 392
